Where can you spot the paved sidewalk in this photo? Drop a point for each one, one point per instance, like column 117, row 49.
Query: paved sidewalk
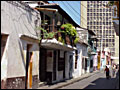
column 67, row 82
column 117, row 80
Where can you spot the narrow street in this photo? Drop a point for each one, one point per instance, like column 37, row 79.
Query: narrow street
column 97, row 81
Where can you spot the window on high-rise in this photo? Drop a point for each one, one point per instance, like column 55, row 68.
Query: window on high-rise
column 90, row 23
column 106, row 44
column 109, row 23
column 109, row 31
column 103, row 14
column 90, row 10
column 106, row 23
column 103, row 9
column 110, row 14
column 88, row 5
column 106, row 14
column 100, row 27
column 87, row 14
column 106, row 9
column 97, row 23
column 106, row 40
column 106, row 31
column 100, row 23
column 97, row 10
column 87, row 10
column 103, row 23
column 113, row 40
column 110, row 10
column 109, row 40
column 87, row 23
column 88, row 18
column 112, row 31
column 106, row 18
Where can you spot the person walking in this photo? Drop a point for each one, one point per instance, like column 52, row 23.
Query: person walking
column 113, row 70
column 107, row 72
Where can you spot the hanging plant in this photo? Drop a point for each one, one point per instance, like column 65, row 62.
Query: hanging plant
column 46, row 35
column 70, row 31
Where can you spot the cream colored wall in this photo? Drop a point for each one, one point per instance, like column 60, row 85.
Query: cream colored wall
column 116, row 48
column 84, row 14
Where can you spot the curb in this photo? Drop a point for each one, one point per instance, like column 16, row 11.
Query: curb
column 70, row 81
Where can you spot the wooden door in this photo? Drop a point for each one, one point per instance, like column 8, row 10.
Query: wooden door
column 43, row 57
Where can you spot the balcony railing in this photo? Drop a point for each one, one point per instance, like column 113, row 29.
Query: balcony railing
column 50, row 28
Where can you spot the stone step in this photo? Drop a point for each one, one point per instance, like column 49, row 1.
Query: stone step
column 42, row 84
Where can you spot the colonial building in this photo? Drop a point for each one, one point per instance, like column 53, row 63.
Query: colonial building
column 20, row 48
column 56, row 53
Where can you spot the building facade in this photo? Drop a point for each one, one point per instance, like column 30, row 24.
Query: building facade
column 116, row 27
column 20, row 48
column 99, row 19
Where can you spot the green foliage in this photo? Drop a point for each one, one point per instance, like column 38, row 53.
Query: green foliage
column 76, row 40
column 110, row 3
column 46, row 34
column 51, row 35
column 70, row 30
column 61, row 40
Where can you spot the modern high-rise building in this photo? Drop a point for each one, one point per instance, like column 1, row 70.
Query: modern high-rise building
column 99, row 19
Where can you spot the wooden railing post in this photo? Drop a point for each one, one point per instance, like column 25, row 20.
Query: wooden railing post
column 53, row 23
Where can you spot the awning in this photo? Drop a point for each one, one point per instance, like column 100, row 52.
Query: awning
column 114, row 57
column 93, row 53
column 85, row 57
column 54, row 44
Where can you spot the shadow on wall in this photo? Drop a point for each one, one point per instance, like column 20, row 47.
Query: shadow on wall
column 22, row 55
column 102, row 83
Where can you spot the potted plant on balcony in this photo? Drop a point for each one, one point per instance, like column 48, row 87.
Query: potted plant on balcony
column 70, row 32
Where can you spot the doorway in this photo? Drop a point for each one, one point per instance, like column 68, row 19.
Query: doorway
column 70, row 65
column 29, row 56
column 42, row 63
column 85, row 64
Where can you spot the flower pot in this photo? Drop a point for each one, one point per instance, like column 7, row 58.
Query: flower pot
column 67, row 39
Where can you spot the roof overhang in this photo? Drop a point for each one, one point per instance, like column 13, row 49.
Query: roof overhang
column 61, row 11
column 6, row 34
column 94, row 38
column 91, row 32
column 54, row 44
column 29, row 38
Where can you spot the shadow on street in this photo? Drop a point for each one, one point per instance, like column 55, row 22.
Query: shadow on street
column 102, row 83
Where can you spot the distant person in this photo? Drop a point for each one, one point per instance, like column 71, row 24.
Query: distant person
column 113, row 70
column 107, row 72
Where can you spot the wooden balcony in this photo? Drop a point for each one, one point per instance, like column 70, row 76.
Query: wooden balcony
column 65, row 38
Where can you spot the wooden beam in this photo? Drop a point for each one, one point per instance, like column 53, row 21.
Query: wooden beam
column 47, row 9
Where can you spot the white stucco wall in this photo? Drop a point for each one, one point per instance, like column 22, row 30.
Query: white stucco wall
column 16, row 21
column 82, row 51
column 67, row 65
